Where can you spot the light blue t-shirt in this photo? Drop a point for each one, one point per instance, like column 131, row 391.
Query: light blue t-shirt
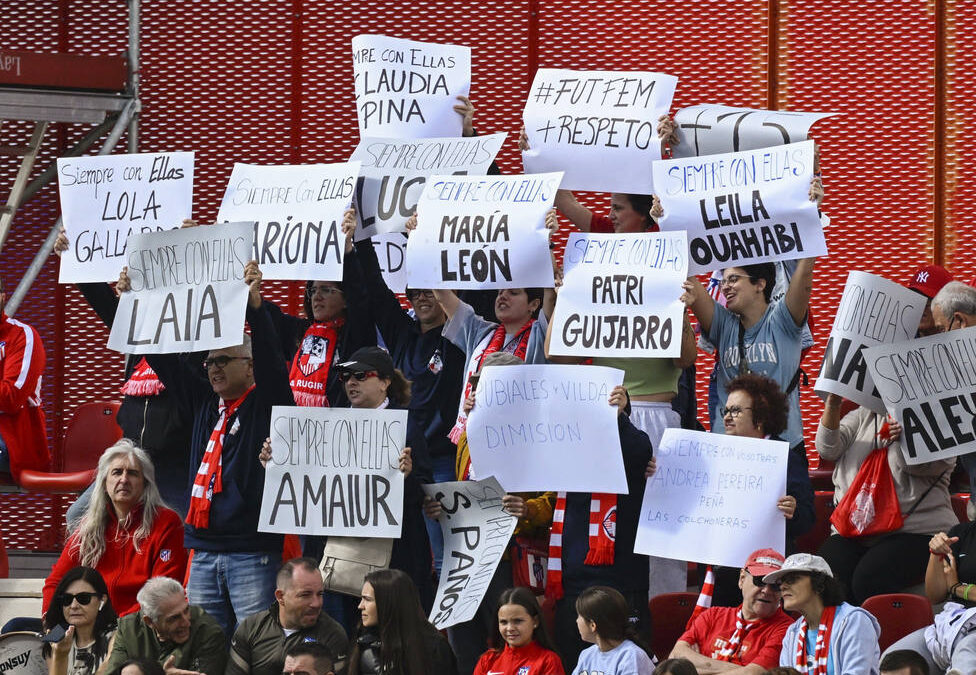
column 624, row 659
column 811, row 648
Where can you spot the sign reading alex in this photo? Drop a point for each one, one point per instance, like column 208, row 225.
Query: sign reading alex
column 297, row 213
column 408, row 89
column 872, row 311
column 476, row 535
column 929, row 386
column 620, row 295
column 106, row 199
column 334, row 471
column 742, row 208
column 188, row 292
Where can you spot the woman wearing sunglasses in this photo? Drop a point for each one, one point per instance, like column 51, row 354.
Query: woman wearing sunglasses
column 82, row 609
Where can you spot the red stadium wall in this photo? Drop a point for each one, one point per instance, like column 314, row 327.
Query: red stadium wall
column 271, row 82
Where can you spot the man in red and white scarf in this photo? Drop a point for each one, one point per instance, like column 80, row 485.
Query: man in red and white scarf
column 750, row 635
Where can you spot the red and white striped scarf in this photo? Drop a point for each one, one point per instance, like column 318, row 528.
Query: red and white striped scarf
column 207, row 482
column 602, row 536
column 143, row 381
column 731, row 648
column 821, row 647
column 705, row 597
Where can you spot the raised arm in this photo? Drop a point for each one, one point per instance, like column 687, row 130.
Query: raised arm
column 689, row 346
column 701, row 303
column 800, row 288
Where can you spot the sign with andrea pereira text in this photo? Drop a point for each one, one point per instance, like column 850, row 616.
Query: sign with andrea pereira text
column 476, row 535
column 872, row 311
column 929, row 386
column 600, row 128
column 480, row 232
column 393, row 172
column 713, row 498
column 742, row 208
column 334, row 471
column 188, row 292
column 408, row 89
column 712, row 129
column 545, row 427
column 105, row 199
column 620, row 295
column 297, row 213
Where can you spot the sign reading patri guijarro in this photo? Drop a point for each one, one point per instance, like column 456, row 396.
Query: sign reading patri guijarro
column 620, row 295
column 408, row 89
column 599, row 128
column 482, row 232
column 393, row 173
column 188, row 292
column 334, row 471
column 742, row 208
column 929, row 386
column 872, row 311
column 297, row 214
column 711, row 129
column 106, row 199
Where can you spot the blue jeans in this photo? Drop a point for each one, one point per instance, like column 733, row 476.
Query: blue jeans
column 232, row 586
column 443, row 472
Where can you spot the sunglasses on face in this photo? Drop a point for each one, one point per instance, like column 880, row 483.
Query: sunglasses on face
column 83, row 598
column 759, row 583
column 359, row 375
column 414, row 294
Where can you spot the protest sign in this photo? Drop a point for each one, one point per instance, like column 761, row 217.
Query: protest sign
column 391, row 252
column 408, row 89
column 188, row 292
column 872, row 311
column 620, row 295
column 297, row 213
column 107, row 198
column 334, row 471
column 476, row 534
column 742, row 208
column 712, row 129
column 713, row 498
column 393, row 173
column 482, row 232
column 929, row 386
column 600, row 128
column 544, row 427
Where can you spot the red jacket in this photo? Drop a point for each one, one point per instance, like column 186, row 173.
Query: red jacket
column 22, row 423
column 532, row 659
column 124, row 569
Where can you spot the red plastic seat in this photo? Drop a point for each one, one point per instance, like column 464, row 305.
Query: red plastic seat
column 959, row 502
column 4, row 560
column 92, row 429
column 822, row 477
column 823, row 505
column 899, row 614
column 669, row 616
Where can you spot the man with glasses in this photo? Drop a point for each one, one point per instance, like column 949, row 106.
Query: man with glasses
column 744, row 639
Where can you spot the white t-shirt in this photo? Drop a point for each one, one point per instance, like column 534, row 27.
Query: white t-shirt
column 624, row 659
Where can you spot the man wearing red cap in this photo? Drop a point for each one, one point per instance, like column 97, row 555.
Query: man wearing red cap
column 747, row 638
column 928, row 281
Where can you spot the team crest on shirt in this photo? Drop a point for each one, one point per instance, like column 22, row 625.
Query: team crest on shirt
column 314, row 349
column 610, row 524
column 165, row 555
column 524, row 670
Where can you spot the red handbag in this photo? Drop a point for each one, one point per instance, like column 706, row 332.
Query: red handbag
column 870, row 505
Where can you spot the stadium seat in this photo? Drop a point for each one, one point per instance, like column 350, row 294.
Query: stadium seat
column 669, row 616
column 959, row 502
column 899, row 614
column 822, row 477
column 4, row 561
column 92, row 429
column 823, row 503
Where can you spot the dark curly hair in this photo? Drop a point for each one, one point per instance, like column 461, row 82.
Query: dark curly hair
column 829, row 590
column 642, row 205
column 766, row 272
column 769, row 403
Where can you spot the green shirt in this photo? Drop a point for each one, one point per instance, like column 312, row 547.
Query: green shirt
column 205, row 651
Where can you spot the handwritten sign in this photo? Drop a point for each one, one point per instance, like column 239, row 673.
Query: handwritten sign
column 476, row 535
column 713, row 498
column 482, row 232
column 106, row 199
column 600, row 128
column 297, row 213
column 334, row 471
column 742, row 208
column 872, row 311
column 391, row 252
column 929, row 386
column 188, row 292
column 620, row 295
column 711, row 129
column 544, row 427
column 394, row 171
column 408, row 89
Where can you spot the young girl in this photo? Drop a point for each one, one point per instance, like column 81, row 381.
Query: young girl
column 521, row 646
column 603, row 618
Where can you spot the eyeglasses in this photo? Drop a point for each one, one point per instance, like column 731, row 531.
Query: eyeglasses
column 83, row 598
column 415, row 293
column 359, row 375
column 729, row 280
column 732, row 411
column 759, row 583
column 312, row 291
column 221, row 361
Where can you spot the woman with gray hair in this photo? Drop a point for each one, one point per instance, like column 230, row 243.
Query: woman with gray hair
column 127, row 532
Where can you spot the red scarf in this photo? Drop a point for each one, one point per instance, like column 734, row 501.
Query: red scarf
column 310, row 368
column 207, row 482
column 821, row 647
column 603, row 535
column 742, row 628
column 143, row 381
column 705, row 597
